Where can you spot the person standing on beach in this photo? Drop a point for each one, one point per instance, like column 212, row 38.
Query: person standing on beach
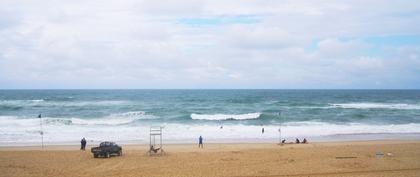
column 83, row 144
column 262, row 131
column 200, row 142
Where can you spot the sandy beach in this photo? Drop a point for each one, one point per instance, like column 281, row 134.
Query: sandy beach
column 400, row 158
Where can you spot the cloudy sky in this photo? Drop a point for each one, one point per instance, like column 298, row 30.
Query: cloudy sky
column 209, row 44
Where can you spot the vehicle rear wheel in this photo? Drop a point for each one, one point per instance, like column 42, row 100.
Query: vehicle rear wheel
column 95, row 155
column 107, row 155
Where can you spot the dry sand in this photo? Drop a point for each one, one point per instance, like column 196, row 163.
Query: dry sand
column 315, row 159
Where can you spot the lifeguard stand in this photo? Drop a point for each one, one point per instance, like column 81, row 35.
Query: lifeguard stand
column 155, row 133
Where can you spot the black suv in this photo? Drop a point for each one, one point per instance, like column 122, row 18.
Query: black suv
column 106, row 149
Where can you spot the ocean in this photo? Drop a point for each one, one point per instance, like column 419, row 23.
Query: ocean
column 218, row 115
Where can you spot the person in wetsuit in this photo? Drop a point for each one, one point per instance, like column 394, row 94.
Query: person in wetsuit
column 200, row 142
column 83, row 144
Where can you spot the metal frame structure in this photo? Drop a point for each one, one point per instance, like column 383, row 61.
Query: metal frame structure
column 155, row 131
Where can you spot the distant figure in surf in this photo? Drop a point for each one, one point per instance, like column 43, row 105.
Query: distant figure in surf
column 304, row 141
column 39, row 116
column 262, row 131
column 221, row 127
column 200, row 142
column 297, row 141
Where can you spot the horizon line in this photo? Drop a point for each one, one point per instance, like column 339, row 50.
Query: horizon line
column 209, row 88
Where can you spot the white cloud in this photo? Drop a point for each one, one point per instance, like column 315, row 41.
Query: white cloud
column 141, row 44
column 336, row 49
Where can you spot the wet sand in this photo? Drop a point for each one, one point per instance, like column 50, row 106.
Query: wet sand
column 401, row 158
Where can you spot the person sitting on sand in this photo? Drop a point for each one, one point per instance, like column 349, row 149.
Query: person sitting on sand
column 283, row 141
column 200, row 142
column 297, row 141
column 152, row 148
column 304, row 141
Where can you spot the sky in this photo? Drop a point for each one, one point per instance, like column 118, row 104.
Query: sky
column 210, row 44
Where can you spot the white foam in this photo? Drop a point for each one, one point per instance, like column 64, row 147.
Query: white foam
column 21, row 102
column 41, row 102
column 225, row 116
column 17, row 130
column 291, row 130
column 129, row 114
column 102, row 121
column 368, row 105
column 15, row 101
column 114, row 119
column 13, row 121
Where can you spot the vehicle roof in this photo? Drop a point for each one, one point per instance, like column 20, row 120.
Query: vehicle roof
column 107, row 143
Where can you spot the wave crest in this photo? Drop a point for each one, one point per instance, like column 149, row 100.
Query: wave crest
column 375, row 106
column 129, row 114
column 225, row 116
column 103, row 121
column 113, row 119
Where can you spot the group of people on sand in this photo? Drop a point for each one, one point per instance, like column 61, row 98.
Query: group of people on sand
column 304, row 141
column 297, row 141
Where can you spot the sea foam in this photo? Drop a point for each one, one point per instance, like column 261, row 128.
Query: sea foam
column 115, row 119
column 225, row 116
column 112, row 119
column 46, row 103
column 375, row 106
column 179, row 133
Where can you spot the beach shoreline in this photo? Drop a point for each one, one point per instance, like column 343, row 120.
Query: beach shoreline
column 140, row 146
column 262, row 140
column 343, row 158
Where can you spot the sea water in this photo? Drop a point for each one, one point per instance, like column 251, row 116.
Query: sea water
column 217, row 115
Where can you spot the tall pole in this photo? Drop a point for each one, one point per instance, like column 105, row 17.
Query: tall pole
column 42, row 132
column 279, row 129
column 280, row 135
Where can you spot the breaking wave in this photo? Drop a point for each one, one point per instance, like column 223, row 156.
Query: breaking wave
column 113, row 119
column 129, row 114
column 41, row 102
column 102, row 121
column 225, row 116
column 375, row 106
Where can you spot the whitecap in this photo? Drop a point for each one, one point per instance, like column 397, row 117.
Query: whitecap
column 115, row 118
column 368, row 105
column 129, row 114
column 225, row 116
column 40, row 100
column 102, row 121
